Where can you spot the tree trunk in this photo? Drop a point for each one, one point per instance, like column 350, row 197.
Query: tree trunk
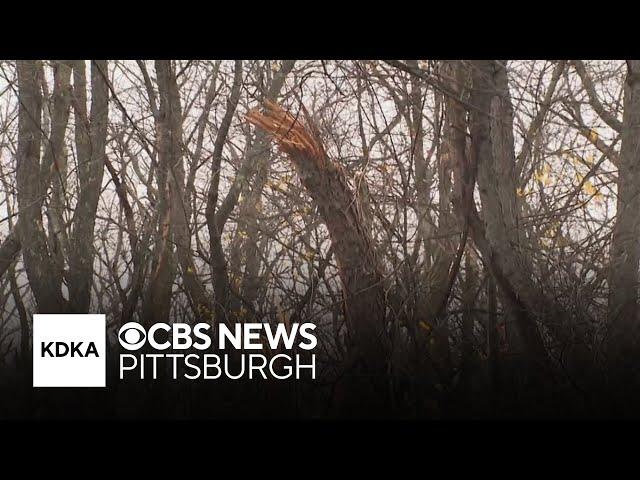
column 215, row 222
column 170, row 153
column 491, row 128
column 249, row 209
column 360, row 271
column 163, row 270
column 9, row 250
column 467, row 364
column 31, row 193
column 625, row 243
column 91, row 140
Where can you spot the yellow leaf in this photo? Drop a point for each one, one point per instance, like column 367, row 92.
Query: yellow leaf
column 549, row 232
column 593, row 136
column 425, row 325
column 576, row 159
column 278, row 186
column 588, row 188
column 542, row 175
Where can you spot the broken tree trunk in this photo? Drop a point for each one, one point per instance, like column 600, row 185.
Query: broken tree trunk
column 339, row 206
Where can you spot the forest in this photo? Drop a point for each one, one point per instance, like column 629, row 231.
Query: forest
column 464, row 234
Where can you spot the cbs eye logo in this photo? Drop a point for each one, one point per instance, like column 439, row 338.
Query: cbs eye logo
column 132, row 336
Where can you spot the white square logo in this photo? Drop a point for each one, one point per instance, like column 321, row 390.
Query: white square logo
column 69, row 350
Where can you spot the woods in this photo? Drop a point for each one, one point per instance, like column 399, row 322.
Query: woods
column 464, row 234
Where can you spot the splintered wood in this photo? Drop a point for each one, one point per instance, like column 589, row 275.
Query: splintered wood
column 292, row 136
